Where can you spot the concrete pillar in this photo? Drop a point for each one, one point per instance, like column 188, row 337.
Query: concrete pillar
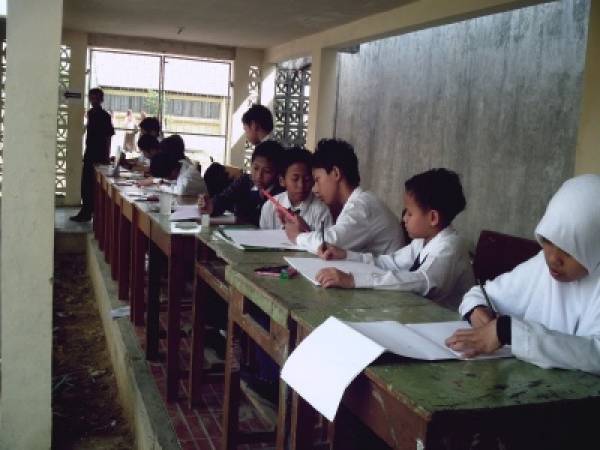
column 587, row 155
column 244, row 59
column 323, row 86
column 78, row 43
column 33, row 39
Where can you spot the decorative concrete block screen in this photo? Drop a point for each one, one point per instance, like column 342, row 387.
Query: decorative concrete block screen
column 495, row 98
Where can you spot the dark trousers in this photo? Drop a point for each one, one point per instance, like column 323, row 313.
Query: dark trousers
column 87, row 188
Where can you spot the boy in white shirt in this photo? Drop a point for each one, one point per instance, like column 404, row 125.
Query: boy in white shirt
column 547, row 308
column 436, row 264
column 187, row 177
column 362, row 222
column 296, row 178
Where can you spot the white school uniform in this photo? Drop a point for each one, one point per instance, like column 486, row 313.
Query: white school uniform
column 553, row 323
column 365, row 224
column 312, row 210
column 444, row 275
column 189, row 181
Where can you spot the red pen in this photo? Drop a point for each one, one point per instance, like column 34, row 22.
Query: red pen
column 278, row 205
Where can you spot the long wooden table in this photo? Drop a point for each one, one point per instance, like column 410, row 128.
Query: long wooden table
column 408, row 404
column 126, row 230
column 418, row 404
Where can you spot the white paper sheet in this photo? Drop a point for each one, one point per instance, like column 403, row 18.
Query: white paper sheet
column 191, row 212
column 275, row 239
column 438, row 332
column 326, row 362
column 309, row 267
column 185, row 212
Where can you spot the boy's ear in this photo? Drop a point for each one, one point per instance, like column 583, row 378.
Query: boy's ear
column 336, row 172
column 434, row 218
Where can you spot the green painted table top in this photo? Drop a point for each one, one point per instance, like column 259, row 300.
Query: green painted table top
column 278, row 298
column 433, row 387
column 234, row 256
column 426, row 387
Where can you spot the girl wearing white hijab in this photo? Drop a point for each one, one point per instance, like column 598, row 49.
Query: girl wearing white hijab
column 549, row 306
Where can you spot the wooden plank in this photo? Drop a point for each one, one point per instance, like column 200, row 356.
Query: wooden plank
column 125, row 251
column 155, row 269
column 176, row 260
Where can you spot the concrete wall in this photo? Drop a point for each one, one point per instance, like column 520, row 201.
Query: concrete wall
column 495, row 98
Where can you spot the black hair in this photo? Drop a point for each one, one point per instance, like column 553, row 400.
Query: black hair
column 216, row 179
column 260, row 115
column 438, row 189
column 147, row 142
column 332, row 153
column 97, row 91
column 272, row 151
column 173, row 144
column 150, row 124
column 163, row 164
column 295, row 155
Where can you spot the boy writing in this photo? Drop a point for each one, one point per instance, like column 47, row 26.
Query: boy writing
column 436, row 264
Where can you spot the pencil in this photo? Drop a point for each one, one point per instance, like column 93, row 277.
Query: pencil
column 487, row 299
column 323, row 243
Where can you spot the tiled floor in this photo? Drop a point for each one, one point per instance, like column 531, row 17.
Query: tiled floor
column 200, row 428
column 64, row 225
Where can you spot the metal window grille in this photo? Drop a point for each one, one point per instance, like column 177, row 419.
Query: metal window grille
column 253, row 98
column 292, row 89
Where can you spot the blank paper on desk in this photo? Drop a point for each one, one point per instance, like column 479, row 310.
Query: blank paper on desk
column 309, row 267
column 326, row 362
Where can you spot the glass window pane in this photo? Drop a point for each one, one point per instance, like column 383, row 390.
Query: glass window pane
column 196, row 95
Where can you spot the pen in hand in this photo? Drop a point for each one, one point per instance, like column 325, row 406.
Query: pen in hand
column 487, row 299
column 323, row 243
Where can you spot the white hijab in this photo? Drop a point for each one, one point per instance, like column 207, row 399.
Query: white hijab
column 530, row 293
column 572, row 220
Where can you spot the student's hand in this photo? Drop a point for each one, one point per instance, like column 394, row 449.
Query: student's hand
column 293, row 227
column 145, row 182
column 475, row 341
column 331, row 277
column 481, row 316
column 205, row 204
column 332, row 252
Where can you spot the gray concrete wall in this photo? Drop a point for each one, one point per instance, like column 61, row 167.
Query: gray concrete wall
column 495, row 98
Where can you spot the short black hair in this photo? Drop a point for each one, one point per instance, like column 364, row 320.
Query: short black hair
column 438, row 189
column 150, row 124
column 97, row 91
column 147, row 142
column 260, row 115
column 295, row 155
column 272, row 151
column 338, row 153
column 173, row 144
column 163, row 164
column 216, row 178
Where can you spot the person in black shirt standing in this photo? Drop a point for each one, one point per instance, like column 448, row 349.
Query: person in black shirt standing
column 97, row 151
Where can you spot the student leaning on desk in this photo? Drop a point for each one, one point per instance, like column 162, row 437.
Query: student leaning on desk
column 547, row 308
column 436, row 264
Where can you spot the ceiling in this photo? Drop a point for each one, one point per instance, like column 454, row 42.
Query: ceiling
column 238, row 23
